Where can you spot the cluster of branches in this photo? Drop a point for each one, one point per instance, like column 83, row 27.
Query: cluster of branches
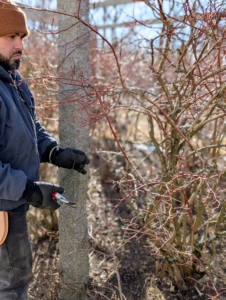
column 174, row 81
column 166, row 78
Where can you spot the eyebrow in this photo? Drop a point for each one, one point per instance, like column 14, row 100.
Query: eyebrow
column 18, row 34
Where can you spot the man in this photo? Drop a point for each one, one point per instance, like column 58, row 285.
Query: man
column 24, row 143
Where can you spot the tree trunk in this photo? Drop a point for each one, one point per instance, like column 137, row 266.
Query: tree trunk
column 73, row 67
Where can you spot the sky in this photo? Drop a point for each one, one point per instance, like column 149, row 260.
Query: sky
column 125, row 13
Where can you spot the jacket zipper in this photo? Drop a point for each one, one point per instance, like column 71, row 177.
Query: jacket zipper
column 30, row 115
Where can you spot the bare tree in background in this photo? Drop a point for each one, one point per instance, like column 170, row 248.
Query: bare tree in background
column 73, row 69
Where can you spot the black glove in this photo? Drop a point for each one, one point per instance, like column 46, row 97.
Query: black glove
column 39, row 194
column 70, row 159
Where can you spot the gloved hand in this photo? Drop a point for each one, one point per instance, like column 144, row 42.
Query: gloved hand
column 39, row 194
column 70, row 159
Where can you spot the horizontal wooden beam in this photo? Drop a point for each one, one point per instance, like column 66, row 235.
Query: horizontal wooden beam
column 97, row 4
column 130, row 24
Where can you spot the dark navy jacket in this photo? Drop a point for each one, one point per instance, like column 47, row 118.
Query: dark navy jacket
column 23, row 140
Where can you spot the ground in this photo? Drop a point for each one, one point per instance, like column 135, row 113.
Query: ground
column 121, row 268
column 137, row 276
column 130, row 268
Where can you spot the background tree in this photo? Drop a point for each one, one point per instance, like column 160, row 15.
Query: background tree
column 73, row 72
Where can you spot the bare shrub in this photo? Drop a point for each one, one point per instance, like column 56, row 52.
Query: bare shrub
column 157, row 107
column 167, row 93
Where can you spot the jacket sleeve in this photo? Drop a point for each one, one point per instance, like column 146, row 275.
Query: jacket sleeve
column 45, row 142
column 12, row 182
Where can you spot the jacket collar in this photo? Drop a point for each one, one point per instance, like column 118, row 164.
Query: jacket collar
column 4, row 75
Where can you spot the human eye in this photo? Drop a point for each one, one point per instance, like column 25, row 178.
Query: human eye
column 11, row 36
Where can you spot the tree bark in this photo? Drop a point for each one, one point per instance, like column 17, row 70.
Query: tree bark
column 73, row 67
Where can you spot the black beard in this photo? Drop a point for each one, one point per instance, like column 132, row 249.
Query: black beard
column 9, row 67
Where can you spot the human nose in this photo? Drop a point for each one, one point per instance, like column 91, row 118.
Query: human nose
column 19, row 45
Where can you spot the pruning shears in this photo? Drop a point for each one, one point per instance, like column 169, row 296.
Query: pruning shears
column 61, row 200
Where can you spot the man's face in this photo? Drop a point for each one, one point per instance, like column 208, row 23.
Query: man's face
column 11, row 47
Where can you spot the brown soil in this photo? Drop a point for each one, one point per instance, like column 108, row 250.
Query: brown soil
column 136, row 275
column 117, row 260
column 125, row 263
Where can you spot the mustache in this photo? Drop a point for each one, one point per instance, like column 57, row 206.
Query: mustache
column 16, row 52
